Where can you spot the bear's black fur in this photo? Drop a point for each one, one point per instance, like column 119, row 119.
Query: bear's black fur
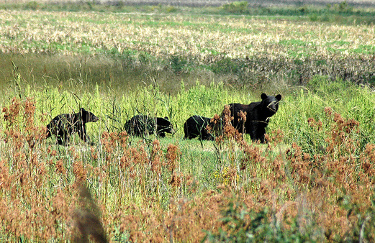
column 64, row 125
column 196, row 126
column 143, row 125
column 257, row 116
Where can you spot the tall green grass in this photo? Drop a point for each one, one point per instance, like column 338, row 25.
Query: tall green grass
column 345, row 98
column 115, row 105
column 204, row 164
column 115, row 89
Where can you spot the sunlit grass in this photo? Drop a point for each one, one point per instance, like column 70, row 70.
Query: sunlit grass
column 131, row 178
column 312, row 181
column 93, row 33
column 125, row 50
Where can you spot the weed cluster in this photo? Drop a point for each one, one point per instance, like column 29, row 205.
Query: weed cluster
column 303, row 196
column 235, row 7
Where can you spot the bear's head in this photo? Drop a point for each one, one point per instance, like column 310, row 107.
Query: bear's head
column 87, row 116
column 270, row 104
column 163, row 125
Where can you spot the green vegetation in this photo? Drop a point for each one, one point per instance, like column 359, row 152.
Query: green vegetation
column 341, row 13
column 236, row 7
column 313, row 181
column 308, row 117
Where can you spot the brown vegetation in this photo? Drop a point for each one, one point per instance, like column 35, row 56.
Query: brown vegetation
column 42, row 196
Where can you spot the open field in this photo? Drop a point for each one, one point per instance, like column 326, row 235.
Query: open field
column 162, row 36
column 265, row 3
column 313, row 181
column 241, row 51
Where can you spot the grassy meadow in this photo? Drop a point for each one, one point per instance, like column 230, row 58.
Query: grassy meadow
column 313, row 181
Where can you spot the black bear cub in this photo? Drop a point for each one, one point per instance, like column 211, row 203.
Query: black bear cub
column 64, row 125
column 257, row 116
column 196, row 126
column 143, row 125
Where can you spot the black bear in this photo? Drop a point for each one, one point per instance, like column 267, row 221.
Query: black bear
column 257, row 116
column 196, row 126
column 143, row 125
column 64, row 125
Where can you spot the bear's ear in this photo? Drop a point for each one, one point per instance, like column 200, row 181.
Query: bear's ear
column 82, row 110
column 166, row 118
column 278, row 97
column 263, row 96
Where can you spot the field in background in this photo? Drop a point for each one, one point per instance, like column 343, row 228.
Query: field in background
column 243, row 51
column 265, row 3
column 313, row 181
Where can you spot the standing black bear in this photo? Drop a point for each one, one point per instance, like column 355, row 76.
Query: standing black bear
column 64, row 125
column 196, row 126
column 257, row 116
column 143, row 125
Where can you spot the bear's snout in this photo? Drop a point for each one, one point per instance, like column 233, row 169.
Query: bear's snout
column 95, row 118
column 273, row 106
